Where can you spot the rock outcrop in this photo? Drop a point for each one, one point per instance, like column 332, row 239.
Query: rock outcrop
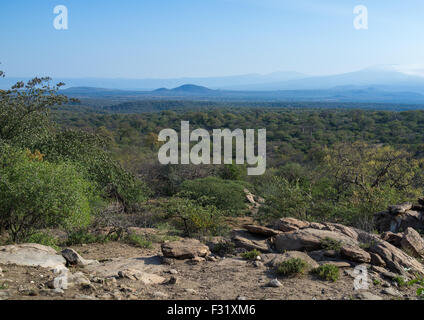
column 31, row 254
column 185, row 249
column 351, row 246
column 400, row 217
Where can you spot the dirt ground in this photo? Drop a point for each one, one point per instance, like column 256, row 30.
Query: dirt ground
column 228, row 278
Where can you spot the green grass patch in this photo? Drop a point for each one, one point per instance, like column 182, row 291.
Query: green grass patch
column 293, row 266
column 327, row 272
column 138, row 241
column 251, row 255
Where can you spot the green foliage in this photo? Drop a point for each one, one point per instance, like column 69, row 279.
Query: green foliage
column 193, row 218
column 87, row 150
column 327, row 272
column 224, row 248
column 4, row 286
column 138, row 241
column 400, row 281
column 293, row 266
column 233, row 172
column 226, row 195
column 45, row 239
column 331, row 244
column 84, row 236
column 37, row 194
column 25, row 123
column 251, row 255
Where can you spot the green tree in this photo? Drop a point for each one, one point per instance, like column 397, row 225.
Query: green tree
column 37, row 194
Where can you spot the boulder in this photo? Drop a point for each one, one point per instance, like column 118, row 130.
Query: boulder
column 392, row 238
column 185, row 249
column 308, row 239
column 135, row 267
column 244, row 239
column 396, row 260
column 347, row 231
column 387, row 221
column 144, row 277
column 30, row 254
column 273, row 260
column 376, row 260
column 413, row 243
column 355, row 254
column 74, row 259
column 400, row 208
column 366, row 295
column 263, row 231
column 290, row 224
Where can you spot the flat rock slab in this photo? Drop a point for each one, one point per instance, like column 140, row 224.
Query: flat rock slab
column 33, row 255
column 309, row 239
column 244, row 239
column 264, row 231
column 185, row 249
column 274, row 260
column 144, row 269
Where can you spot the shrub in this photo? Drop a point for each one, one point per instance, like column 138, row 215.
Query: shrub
column 293, row 266
column 192, row 218
column 251, row 255
column 44, row 239
column 224, row 248
column 82, row 236
column 36, row 194
column 331, row 244
column 87, row 151
column 138, row 241
column 400, row 281
column 226, row 195
column 327, row 272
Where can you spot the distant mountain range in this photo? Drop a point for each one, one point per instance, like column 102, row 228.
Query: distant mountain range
column 384, row 84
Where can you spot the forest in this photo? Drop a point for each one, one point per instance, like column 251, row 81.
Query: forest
column 99, row 164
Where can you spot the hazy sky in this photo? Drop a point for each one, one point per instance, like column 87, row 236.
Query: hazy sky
column 178, row 38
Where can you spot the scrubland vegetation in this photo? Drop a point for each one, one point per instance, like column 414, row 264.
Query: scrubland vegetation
column 72, row 167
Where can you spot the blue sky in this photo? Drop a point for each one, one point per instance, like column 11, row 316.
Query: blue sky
column 179, row 38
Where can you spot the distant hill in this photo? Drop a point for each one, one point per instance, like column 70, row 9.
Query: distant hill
column 372, row 94
column 186, row 88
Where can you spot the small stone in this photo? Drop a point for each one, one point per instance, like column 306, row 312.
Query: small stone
column 391, row 292
column 159, row 294
column 274, row 283
column 190, row 291
column 173, row 271
column 173, row 280
column 241, row 298
column 365, row 295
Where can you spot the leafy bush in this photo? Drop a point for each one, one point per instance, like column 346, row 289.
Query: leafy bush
column 226, row 195
column 327, row 272
column 224, row 248
column 293, row 266
column 251, row 255
column 44, row 239
column 138, row 241
column 87, row 151
column 193, row 218
column 37, row 194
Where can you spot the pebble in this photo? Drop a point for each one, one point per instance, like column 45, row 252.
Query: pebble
column 274, row 283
